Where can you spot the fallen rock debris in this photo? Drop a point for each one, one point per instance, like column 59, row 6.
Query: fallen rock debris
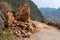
column 21, row 25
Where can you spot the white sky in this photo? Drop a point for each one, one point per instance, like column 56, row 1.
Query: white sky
column 47, row 3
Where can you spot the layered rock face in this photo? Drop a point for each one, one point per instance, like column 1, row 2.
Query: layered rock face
column 1, row 25
column 3, row 10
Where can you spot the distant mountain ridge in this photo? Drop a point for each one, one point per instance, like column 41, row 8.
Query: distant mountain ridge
column 56, row 12
column 52, row 14
column 47, row 10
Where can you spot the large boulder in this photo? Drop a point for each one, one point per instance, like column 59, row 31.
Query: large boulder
column 24, row 13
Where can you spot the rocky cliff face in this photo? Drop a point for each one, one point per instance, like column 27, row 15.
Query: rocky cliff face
column 35, row 13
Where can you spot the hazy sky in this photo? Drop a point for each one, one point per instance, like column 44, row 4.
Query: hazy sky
column 47, row 3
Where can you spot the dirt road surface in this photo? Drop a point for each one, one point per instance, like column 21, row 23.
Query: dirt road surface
column 45, row 33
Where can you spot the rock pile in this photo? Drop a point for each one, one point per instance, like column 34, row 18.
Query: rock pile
column 22, row 24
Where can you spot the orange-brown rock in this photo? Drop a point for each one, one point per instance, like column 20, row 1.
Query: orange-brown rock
column 24, row 13
column 10, row 18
